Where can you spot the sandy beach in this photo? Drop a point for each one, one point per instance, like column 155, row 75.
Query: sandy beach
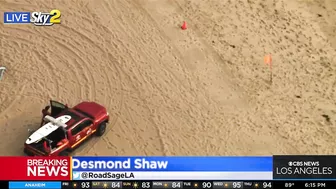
column 201, row 91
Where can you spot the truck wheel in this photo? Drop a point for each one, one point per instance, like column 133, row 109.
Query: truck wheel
column 101, row 129
column 64, row 153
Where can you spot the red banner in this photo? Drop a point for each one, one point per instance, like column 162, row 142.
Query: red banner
column 35, row 168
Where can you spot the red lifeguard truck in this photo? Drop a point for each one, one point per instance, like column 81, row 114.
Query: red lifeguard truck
column 63, row 128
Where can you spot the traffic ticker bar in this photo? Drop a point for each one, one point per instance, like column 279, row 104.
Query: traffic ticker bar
column 195, row 184
column 133, row 184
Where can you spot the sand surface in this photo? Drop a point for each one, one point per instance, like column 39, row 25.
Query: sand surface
column 200, row 91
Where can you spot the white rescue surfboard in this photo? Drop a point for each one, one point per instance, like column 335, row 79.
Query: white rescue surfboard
column 46, row 129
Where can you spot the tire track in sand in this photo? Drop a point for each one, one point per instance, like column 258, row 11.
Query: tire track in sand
column 74, row 61
column 58, row 39
column 119, row 42
column 16, row 88
column 159, row 21
column 111, row 66
column 153, row 41
column 155, row 24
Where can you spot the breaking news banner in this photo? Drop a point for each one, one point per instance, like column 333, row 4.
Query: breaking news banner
column 168, row 168
column 35, row 168
column 172, row 168
column 304, row 167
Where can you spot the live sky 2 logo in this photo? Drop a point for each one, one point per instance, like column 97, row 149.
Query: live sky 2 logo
column 36, row 18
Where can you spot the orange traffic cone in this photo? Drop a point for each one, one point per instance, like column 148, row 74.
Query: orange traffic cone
column 184, row 25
